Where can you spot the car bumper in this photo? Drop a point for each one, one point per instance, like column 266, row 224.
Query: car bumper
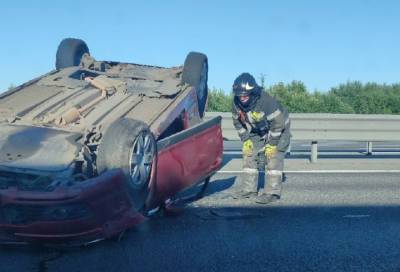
column 95, row 209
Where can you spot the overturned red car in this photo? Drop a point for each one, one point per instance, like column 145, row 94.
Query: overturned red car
column 89, row 149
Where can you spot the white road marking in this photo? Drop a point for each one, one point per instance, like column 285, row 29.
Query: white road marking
column 377, row 151
column 320, row 171
column 356, row 216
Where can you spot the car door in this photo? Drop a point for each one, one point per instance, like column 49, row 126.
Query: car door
column 188, row 157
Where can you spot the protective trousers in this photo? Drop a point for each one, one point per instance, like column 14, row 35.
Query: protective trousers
column 274, row 174
column 257, row 161
column 252, row 163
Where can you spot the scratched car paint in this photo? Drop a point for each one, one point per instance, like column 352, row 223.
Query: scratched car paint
column 91, row 148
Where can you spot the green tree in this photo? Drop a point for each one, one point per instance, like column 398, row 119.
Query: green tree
column 351, row 97
column 370, row 98
column 219, row 101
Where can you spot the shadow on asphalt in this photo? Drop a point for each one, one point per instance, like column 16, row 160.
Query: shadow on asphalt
column 192, row 194
column 281, row 238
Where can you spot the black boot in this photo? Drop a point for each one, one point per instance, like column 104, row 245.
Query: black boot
column 267, row 198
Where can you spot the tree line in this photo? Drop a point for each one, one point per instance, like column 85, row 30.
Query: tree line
column 351, row 97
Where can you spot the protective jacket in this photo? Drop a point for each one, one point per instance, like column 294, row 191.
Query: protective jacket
column 265, row 117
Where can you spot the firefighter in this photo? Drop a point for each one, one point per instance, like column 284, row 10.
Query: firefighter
column 263, row 126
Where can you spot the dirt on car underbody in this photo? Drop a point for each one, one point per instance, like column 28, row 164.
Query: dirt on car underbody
column 61, row 116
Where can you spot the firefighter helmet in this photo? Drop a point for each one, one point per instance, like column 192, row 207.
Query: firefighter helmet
column 246, row 89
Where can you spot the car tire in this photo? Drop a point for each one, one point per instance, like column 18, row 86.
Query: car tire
column 195, row 73
column 130, row 146
column 70, row 52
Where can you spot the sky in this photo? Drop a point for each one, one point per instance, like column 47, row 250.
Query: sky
column 321, row 43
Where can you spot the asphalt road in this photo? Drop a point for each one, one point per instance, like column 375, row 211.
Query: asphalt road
column 324, row 222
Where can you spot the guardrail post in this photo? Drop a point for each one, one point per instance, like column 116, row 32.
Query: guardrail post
column 314, row 151
column 369, row 148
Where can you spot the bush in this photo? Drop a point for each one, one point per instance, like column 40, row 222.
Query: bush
column 352, row 97
column 219, row 101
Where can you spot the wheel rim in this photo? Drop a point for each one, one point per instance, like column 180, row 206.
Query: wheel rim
column 203, row 81
column 141, row 159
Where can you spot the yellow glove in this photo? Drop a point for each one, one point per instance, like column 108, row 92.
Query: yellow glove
column 247, row 147
column 270, row 151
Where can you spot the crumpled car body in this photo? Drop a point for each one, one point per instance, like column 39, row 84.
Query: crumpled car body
column 53, row 189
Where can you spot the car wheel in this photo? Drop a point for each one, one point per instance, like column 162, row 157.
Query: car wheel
column 195, row 73
column 70, row 52
column 130, row 146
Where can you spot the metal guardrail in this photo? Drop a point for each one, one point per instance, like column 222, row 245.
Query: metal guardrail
column 336, row 127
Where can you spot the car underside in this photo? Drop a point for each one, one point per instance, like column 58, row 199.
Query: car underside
column 89, row 148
